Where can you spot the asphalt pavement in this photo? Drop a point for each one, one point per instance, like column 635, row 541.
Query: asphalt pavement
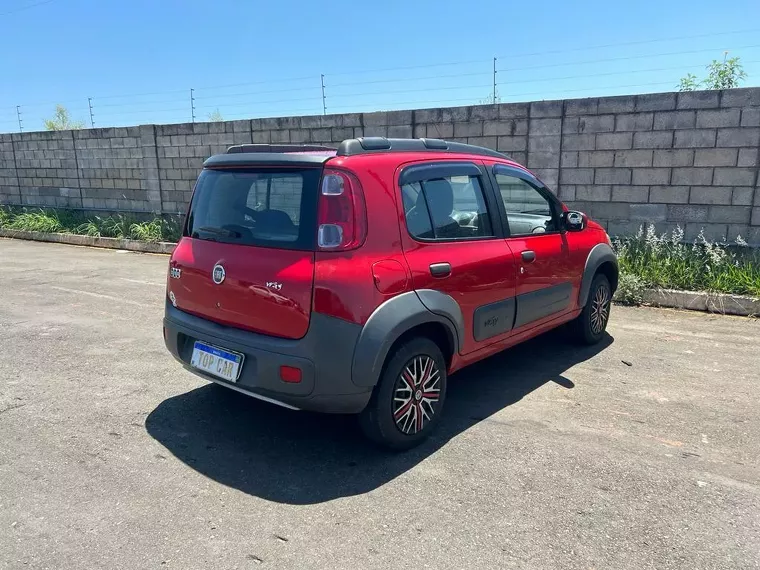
column 642, row 452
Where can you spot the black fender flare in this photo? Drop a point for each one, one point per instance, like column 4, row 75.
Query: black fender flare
column 601, row 253
column 395, row 317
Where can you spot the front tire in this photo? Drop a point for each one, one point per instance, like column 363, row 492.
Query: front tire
column 590, row 325
column 407, row 403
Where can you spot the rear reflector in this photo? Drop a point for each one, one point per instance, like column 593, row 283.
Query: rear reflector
column 290, row 374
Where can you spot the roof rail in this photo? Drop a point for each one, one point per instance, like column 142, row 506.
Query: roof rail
column 278, row 148
column 367, row 145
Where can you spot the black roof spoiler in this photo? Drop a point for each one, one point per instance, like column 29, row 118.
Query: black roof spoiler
column 292, row 155
column 284, row 148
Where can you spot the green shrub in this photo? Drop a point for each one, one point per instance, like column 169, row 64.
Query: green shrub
column 630, row 290
column 147, row 231
column 39, row 221
column 667, row 261
column 67, row 221
column 89, row 228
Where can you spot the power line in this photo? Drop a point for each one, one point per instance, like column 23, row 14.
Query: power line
column 140, row 94
column 26, row 7
column 378, row 106
column 530, row 54
column 257, row 102
column 410, row 79
column 139, row 103
column 592, row 89
column 406, row 67
column 626, row 58
column 640, row 42
column 263, row 82
column 380, row 81
column 424, row 89
column 49, row 103
column 150, row 111
column 202, row 88
column 301, row 89
column 591, row 75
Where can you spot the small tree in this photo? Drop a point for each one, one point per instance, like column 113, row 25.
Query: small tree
column 688, row 83
column 61, row 121
column 725, row 74
column 215, row 116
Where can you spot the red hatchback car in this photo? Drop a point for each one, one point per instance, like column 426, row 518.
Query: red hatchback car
column 357, row 280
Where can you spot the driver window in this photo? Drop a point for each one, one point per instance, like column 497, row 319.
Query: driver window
column 528, row 212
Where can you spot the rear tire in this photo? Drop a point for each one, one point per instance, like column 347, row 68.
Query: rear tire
column 406, row 404
column 589, row 326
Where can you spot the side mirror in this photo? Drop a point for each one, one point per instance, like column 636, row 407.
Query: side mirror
column 574, row 221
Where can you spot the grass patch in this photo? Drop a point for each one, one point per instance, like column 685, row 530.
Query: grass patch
column 71, row 222
column 666, row 261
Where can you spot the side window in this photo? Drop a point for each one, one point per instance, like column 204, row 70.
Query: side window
column 528, row 212
column 445, row 208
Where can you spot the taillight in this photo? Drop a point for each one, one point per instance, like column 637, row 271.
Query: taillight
column 342, row 213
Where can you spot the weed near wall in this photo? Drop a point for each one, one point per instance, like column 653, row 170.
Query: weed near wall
column 666, row 261
column 122, row 226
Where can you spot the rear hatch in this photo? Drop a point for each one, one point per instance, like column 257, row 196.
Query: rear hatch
column 246, row 258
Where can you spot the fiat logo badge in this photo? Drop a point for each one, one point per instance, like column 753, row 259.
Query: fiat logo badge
column 218, row 274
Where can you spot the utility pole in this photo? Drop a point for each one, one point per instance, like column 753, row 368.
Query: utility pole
column 324, row 100
column 192, row 104
column 494, row 81
column 92, row 119
column 18, row 116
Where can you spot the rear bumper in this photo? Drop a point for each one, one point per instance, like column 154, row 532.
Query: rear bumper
column 324, row 355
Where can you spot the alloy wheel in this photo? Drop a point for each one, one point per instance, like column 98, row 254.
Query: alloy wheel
column 416, row 394
column 600, row 309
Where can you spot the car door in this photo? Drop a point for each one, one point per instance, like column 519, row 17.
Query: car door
column 531, row 214
column 454, row 243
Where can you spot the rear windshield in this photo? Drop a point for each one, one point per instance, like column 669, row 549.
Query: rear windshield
column 264, row 207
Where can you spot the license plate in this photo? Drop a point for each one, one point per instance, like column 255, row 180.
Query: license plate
column 216, row 361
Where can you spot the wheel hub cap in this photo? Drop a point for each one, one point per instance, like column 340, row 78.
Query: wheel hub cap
column 416, row 394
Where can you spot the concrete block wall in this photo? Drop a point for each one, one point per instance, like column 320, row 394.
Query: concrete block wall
column 46, row 168
column 9, row 190
column 181, row 150
column 688, row 159
column 110, row 165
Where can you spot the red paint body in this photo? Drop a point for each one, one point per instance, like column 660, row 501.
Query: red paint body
column 350, row 285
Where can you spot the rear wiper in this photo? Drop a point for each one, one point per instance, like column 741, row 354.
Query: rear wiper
column 219, row 231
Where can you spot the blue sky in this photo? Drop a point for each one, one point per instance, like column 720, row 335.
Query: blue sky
column 138, row 59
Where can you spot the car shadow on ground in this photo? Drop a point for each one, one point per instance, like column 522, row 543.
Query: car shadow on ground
column 304, row 458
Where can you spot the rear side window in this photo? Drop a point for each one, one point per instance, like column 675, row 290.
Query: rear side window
column 446, row 208
column 264, row 207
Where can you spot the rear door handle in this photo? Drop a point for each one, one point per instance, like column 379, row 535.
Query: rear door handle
column 440, row 269
column 528, row 256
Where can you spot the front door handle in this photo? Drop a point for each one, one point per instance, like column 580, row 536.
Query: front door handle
column 440, row 269
column 528, row 256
